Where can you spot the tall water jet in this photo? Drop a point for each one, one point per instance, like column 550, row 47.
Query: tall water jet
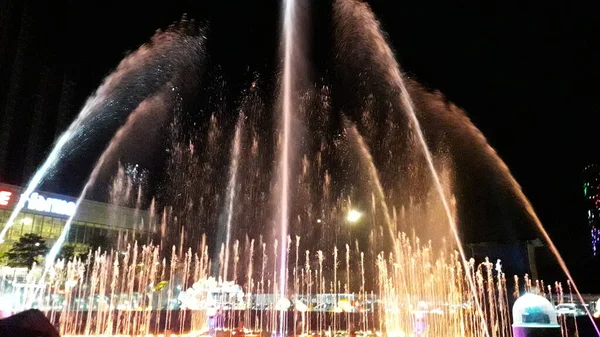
column 145, row 70
column 231, row 188
column 286, row 111
column 350, row 14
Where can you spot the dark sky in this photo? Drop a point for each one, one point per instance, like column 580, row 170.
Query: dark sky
column 527, row 75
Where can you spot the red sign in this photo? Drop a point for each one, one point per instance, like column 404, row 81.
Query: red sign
column 5, row 197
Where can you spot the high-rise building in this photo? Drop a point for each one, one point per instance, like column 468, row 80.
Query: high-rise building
column 591, row 191
column 38, row 91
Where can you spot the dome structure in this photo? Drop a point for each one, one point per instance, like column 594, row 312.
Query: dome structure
column 531, row 309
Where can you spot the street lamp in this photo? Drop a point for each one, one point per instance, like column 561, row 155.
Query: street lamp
column 353, row 216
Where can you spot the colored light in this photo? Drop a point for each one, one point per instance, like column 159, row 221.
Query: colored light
column 353, row 215
column 5, row 198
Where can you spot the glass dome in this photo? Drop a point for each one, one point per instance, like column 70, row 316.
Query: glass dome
column 531, row 309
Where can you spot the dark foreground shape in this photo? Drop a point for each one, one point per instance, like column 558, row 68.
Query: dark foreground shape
column 30, row 323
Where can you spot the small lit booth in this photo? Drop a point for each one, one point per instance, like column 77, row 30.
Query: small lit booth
column 534, row 316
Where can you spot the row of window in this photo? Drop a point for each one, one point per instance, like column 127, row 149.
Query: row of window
column 50, row 229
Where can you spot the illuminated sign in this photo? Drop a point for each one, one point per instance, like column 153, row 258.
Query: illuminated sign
column 40, row 203
column 5, row 198
column 37, row 202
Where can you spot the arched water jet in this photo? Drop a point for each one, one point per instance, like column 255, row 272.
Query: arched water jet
column 365, row 155
column 350, row 14
column 458, row 120
column 388, row 276
column 147, row 108
column 162, row 56
column 391, row 70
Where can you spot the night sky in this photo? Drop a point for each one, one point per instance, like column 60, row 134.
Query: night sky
column 527, row 75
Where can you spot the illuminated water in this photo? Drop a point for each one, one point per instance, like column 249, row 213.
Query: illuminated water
column 152, row 63
column 360, row 12
column 231, row 188
column 136, row 292
column 315, row 209
column 365, row 154
column 286, row 116
column 150, row 108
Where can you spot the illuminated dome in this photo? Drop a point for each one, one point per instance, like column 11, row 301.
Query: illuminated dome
column 531, row 309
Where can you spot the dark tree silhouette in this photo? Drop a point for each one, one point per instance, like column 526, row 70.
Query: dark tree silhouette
column 26, row 251
column 69, row 251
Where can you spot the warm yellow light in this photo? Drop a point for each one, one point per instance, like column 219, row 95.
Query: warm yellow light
column 353, row 215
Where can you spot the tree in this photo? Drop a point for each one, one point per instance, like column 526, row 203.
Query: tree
column 72, row 250
column 26, row 251
column 67, row 252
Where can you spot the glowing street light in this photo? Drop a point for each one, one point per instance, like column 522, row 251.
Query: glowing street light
column 353, row 216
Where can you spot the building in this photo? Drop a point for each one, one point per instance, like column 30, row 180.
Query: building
column 38, row 95
column 591, row 192
column 45, row 214
column 516, row 258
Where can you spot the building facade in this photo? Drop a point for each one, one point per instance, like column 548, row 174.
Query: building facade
column 591, row 192
column 38, row 95
column 516, row 258
column 95, row 223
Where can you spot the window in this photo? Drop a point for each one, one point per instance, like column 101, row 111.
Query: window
column 72, row 235
column 27, row 222
column 78, row 231
column 57, row 227
column 16, row 230
column 3, row 218
column 38, row 221
column 47, row 227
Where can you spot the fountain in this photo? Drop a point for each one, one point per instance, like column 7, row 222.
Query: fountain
column 231, row 189
column 284, row 174
column 313, row 217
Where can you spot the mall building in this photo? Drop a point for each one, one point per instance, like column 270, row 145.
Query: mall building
column 45, row 214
